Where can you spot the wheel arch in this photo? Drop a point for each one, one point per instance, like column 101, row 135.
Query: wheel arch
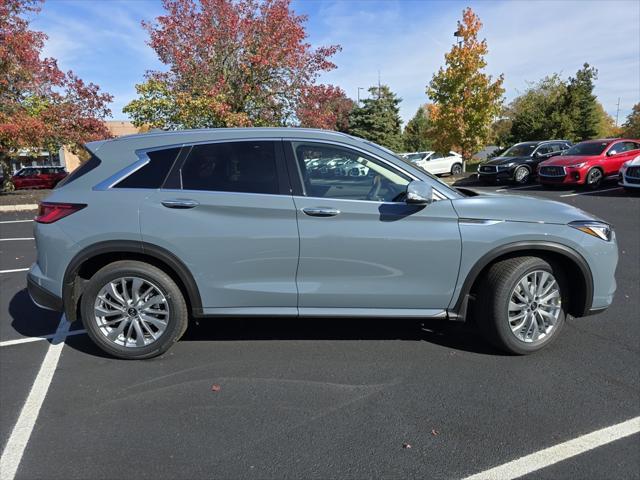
column 89, row 260
column 571, row 261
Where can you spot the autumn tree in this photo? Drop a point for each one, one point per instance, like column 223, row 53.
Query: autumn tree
column 41, row 107
column 378, row 118
column 631, row 127
column 466, row 100
column 415, row 136
column 557, row 108
column 324, row 106
column 230, row 63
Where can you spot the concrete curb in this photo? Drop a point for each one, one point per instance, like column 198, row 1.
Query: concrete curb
column 18, row 208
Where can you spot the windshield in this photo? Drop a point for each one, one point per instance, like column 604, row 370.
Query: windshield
column 521, row 150
column 413, row 157
column 587, row 149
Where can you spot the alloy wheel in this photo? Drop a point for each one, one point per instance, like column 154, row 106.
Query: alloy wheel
column 456, row 170
column 594, row 177
column 131, row 312
column 534, row 307
column 521, row 175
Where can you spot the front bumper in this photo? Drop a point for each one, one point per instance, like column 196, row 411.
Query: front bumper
column 43, row 297
column 572, row 176
column 496, row 176
column 627, row 181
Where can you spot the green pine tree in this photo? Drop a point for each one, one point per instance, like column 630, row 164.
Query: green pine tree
column 416, row 133
column 378, row 118
column 582, row 105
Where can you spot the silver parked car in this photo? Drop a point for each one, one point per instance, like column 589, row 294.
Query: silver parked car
column 157, row 227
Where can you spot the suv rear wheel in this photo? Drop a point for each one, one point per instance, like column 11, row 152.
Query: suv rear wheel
column 520, row 304
column 456, row 169
column 133, row 310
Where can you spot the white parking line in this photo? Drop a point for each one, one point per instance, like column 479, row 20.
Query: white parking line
column 14, row 270
column 560, row 452
column 590, row 193
column 517, row 188
column 15, row 239
column 19, row 341
column 14, row 449
column 17, row 221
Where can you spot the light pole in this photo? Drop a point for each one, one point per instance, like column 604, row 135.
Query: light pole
column 458, row 35
column 359, row 88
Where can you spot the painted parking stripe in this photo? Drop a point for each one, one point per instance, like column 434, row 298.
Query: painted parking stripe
column 590, row 193
column 16, row 221
column 19, row 341
column 560, row 452
column 517, row 188
column 14, row 449
column 15, row 239
column 14, row 270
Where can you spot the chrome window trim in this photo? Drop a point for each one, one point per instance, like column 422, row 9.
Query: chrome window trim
column 143, row 159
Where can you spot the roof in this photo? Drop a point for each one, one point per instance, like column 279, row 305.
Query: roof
column 221, row 131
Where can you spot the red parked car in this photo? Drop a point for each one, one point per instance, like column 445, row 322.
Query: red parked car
column 588, row 163
column 38, row 177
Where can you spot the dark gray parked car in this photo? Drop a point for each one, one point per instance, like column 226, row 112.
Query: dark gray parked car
column 154, row 228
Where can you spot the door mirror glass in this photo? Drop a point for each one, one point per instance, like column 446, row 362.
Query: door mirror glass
column 612, row 152
column 419, row 193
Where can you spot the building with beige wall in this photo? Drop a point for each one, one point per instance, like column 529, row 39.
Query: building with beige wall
column 117, row 128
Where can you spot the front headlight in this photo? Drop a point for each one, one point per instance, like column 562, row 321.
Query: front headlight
column 507, row 165
column 592, row 227
column 577, row 165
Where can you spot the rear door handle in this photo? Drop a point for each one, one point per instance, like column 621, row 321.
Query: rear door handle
column 180, row 203
column 321, row 211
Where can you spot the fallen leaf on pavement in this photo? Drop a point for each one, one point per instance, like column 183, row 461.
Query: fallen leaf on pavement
column 215, row 387
column 435, row 432
column 406, row 445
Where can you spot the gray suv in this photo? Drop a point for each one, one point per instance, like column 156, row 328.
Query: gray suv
column 158, row 227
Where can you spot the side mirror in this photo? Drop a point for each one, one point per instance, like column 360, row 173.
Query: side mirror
column 611, row 152
column 419, row 193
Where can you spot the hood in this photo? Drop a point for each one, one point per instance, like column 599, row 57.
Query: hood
column 503, row 160
column 635, row 162
column 518, row 208
column 564, row 160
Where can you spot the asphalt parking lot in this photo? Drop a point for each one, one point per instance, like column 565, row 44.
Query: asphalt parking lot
column 322, row 398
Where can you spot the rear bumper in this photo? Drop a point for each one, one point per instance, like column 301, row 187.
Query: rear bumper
column 43, row 297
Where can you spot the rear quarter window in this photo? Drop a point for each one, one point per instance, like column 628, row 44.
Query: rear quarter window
column 153, row 174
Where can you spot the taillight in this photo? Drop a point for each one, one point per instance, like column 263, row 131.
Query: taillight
column 50, row 212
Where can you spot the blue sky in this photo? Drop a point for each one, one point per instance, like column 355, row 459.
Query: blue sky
column 103, row 42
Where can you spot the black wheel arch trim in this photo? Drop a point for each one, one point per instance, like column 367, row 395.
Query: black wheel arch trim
column 459, row 310
column 128, row 246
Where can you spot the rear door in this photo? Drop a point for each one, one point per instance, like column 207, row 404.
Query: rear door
column 226, row 211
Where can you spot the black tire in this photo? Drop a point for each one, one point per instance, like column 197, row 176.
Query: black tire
column 493, row 303
column 525, row 179
column 176, row 323
column 594, row 178
column 456, row 169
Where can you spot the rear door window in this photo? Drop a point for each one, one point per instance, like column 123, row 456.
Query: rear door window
column 243, row 166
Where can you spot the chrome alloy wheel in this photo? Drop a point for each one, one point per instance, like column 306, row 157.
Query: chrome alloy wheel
column 521, row 174
column 534, row 306
column 594, row 177
column 131, row 312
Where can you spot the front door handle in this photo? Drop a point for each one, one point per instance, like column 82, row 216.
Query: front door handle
column 180, row 203
column 321, row 211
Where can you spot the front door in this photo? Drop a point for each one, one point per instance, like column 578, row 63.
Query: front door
column 227, row 213
column 362, row 248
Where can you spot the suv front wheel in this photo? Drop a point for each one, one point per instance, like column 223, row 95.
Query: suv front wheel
column 133, row 310
column 520, row 304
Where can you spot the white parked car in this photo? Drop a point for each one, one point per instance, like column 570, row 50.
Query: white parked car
column 629, row 176
column 436, row 163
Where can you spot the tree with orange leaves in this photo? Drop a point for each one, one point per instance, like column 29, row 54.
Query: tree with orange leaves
column 230, row 63
column 465, row 99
